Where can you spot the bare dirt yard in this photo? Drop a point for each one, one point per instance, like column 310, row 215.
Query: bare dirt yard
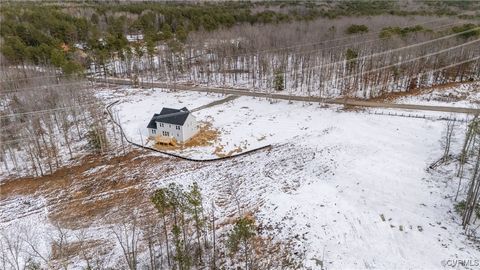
column 207, row 135
column 99, row 189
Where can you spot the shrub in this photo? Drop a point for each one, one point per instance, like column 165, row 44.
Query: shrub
column 398, row 31
column 357, row 28
column 460, row 207
column 351, row 54
column 243, row 230
column 466, row 27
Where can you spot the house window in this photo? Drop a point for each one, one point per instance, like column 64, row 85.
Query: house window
column 177, row 127
column 154, row 131
column 165, row 133
column 160, row 124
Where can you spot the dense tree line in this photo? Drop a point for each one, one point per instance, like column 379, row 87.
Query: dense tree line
column 61, row 34
column 363, row 69
column 42, row 36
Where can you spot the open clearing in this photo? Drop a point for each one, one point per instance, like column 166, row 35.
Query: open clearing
column 453, row 95
column 350, row 189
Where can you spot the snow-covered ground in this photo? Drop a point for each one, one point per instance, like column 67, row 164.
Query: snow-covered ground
column 462, row 95
column 245, row 122
column 361, row 196
column 349, row 189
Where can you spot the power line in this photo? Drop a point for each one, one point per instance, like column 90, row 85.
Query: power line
column 36, row 77
column 50, row 110
column 174, row 114
column 360, row 42
column 406, row 61
column 27, row 139
column 58, row 76
column 42, row 87
column 387, row 51
column 313, row 44
column 439, row 69
column 283, row 48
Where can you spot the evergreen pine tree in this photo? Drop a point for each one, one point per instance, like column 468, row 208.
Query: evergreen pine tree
column 278, row 82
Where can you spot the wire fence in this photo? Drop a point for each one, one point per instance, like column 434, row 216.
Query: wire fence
column 420, row 116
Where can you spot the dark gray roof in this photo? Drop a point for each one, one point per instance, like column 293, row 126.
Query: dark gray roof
column 169, row 116
column 152, row 123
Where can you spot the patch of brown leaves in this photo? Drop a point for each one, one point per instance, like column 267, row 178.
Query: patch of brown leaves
column 206, row 135
column 390, row 97
column 98, row 189
column 220, row 153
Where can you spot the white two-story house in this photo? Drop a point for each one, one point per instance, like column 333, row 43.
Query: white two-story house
column 178, row 124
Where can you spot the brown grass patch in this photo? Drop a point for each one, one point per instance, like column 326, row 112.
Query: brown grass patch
column 100, row 189
column 206, row 135
column 61, row 178
column 351, row 108
column 219, row 151
column 81, row 210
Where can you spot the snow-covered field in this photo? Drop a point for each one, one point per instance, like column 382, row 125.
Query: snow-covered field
column 245, row 122
column 346, row 188
column 361, row 196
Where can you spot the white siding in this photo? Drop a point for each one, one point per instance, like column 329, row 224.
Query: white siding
column 152, row 132
column 182, row 134
column 169, row 130
column 190, row 127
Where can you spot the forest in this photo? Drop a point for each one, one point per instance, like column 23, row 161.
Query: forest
column 47, row 35
column 54, row 57
column 235, row 45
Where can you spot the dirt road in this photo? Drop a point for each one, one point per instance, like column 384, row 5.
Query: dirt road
column 216, row 102
column 247, row 92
